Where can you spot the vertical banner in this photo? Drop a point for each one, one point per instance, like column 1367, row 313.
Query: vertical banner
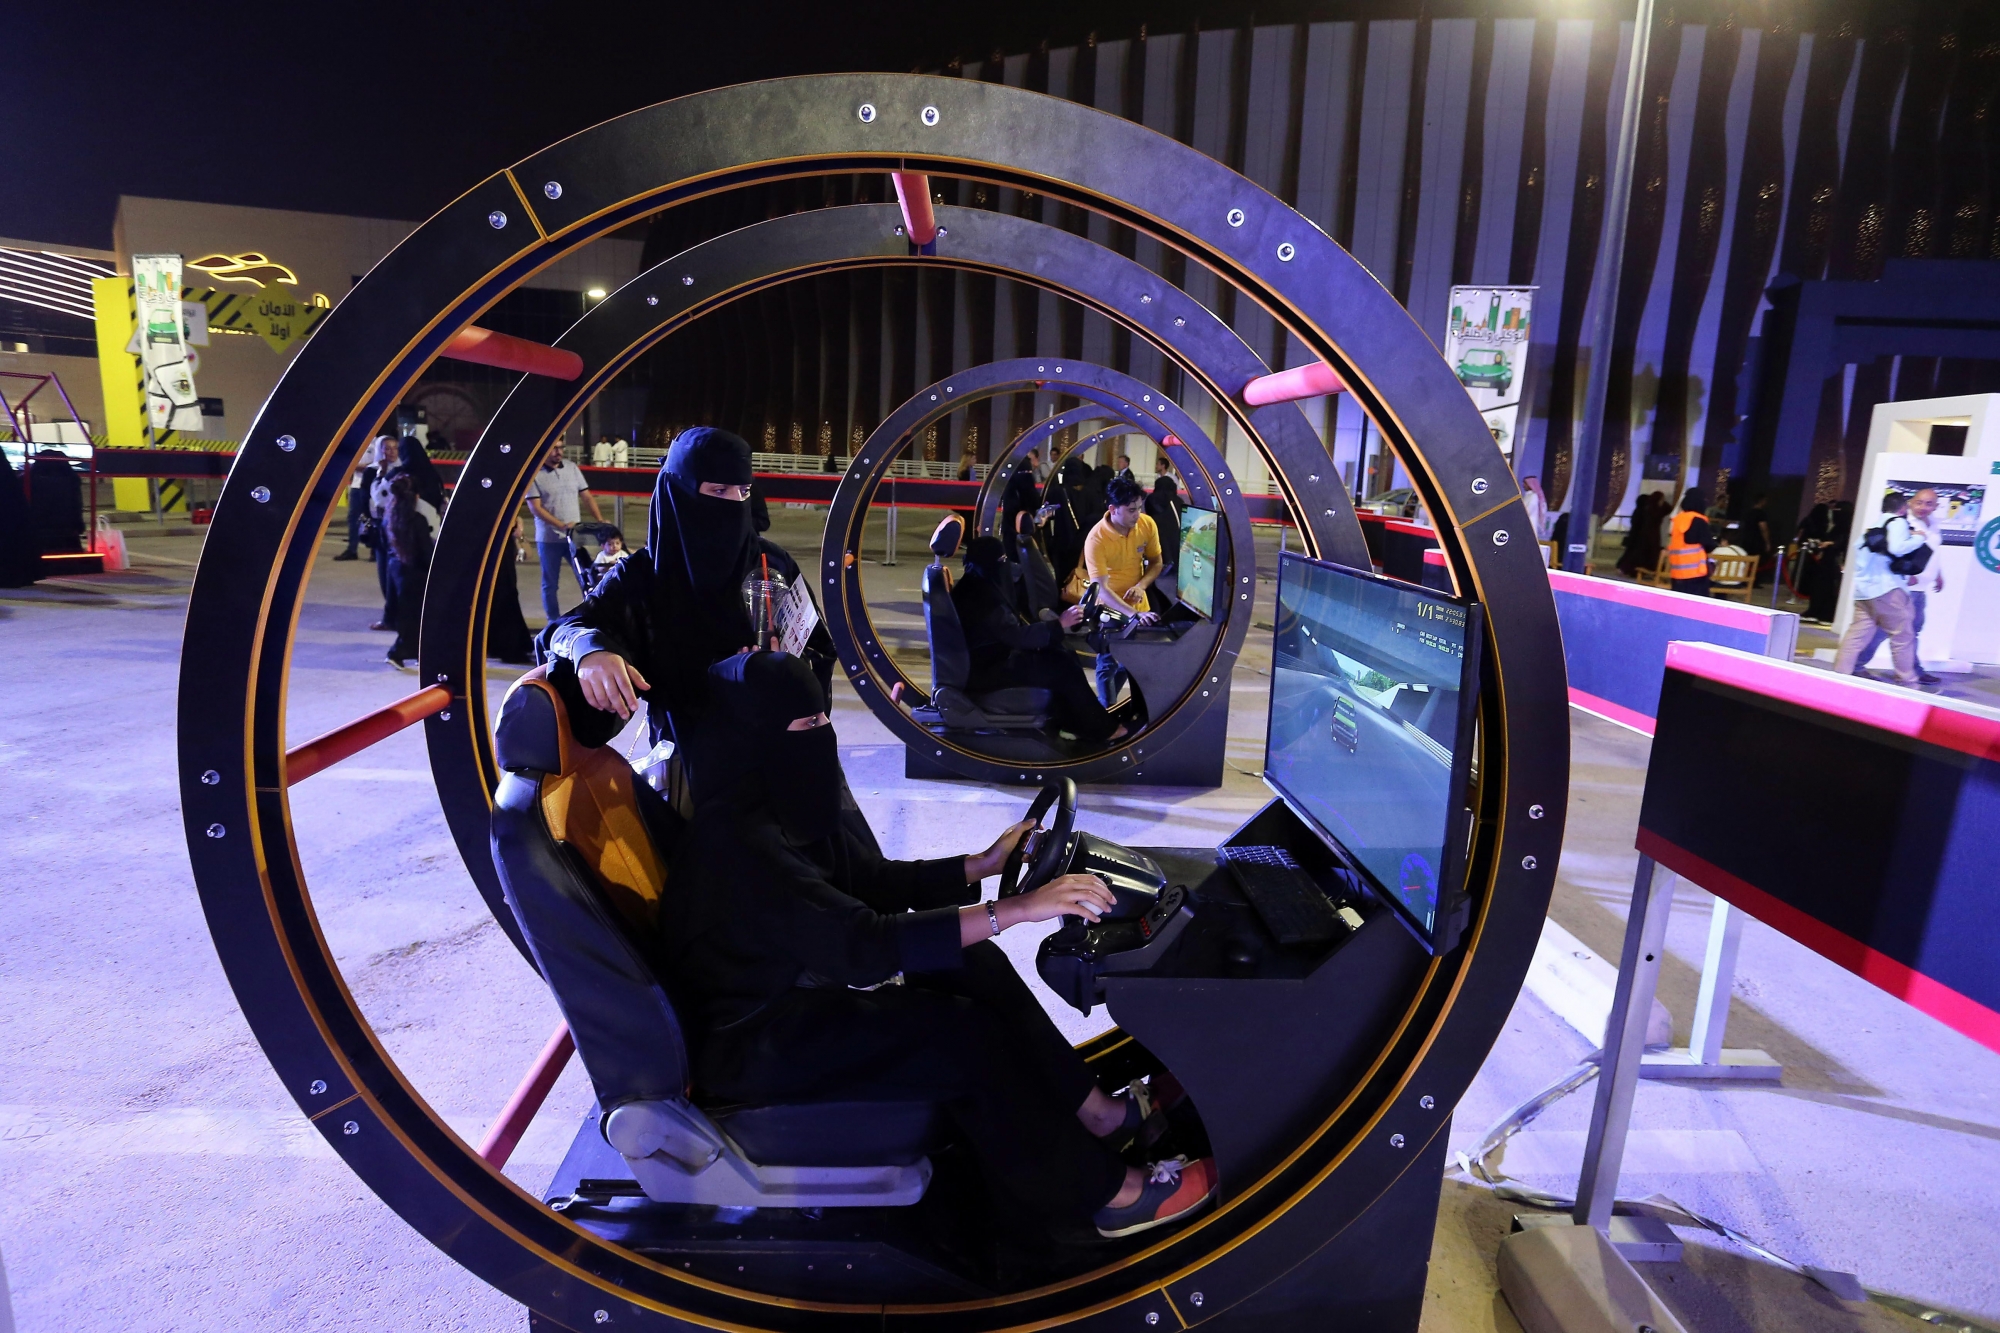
column 171, row 403
column 1486, row 345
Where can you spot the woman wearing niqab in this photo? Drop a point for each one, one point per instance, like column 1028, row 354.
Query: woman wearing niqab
column 670, row 611
column 414, row 461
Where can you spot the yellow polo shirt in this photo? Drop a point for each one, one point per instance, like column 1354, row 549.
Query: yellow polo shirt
column 1117, row 559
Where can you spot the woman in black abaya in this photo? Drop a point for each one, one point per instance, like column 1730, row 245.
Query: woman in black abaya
column 665, row 614
column 414, row 462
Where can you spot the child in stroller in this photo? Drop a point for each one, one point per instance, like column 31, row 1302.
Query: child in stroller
column 590, row 569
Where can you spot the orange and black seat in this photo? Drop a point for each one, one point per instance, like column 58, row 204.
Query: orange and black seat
column 580, row 858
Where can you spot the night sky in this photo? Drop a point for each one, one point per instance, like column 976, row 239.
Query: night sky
column 390, row 110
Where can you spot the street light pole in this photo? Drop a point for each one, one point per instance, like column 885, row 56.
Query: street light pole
column 1582, row 500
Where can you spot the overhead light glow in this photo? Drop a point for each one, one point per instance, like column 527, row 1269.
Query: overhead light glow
column 52, row 281
column 595, row 293
column 241, row 268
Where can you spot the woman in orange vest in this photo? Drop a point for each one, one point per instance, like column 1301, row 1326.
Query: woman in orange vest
column 1689, row 541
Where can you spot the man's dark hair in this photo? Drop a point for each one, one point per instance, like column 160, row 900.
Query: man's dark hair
column 1121, row 491
column 1694, row 501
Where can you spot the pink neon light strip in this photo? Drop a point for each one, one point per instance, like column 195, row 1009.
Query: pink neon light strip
column 1709, row 610
column 1959, row 1012
column 1611, row 712
column 1966, row 728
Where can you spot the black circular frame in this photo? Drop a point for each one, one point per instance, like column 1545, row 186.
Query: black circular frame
column 295, row 460
column 874, row 673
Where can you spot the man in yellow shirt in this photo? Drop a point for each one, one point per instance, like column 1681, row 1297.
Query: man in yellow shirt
column 1122, row 553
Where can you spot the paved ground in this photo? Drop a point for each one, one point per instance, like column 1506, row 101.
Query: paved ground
column 153, row 1174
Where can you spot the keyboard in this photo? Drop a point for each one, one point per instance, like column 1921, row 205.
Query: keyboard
column 1292, row 907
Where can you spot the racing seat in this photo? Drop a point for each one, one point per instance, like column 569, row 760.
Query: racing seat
column 951, row 705
column 583, row 873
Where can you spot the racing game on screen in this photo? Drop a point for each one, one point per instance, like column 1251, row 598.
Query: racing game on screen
column 1365, row 683
column 1194, row 575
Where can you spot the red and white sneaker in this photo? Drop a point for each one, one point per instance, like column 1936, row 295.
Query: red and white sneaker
column 1175, row 1189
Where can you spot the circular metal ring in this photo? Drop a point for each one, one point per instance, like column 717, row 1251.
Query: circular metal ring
column 1210, row 647
column 371, row 349
column 632, row 320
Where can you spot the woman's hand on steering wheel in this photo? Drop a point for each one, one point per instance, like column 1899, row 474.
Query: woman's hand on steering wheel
column 1068, row 895
column 986, row 864
column 609, row 682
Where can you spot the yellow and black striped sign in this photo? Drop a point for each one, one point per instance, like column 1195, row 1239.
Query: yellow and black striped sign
column 280, row 319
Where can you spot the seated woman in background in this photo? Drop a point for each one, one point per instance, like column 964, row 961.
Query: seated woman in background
column 1008, row 651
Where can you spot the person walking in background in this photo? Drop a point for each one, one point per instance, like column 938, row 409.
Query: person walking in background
column 554, row 497
column 1917, row 512
column 1121, row 466
column 1823, row 548
column 507, row 635
column 1642, row 542
column 411, row 522
column 414, row 461
column 1536, row 506
column 1756, row 532
column 1882, row 600
column 1163, row 506
column 375, row 532
column 358, row 489
column 1688, row 544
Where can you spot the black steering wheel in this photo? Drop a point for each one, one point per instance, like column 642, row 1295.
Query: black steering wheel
column 1047, row 845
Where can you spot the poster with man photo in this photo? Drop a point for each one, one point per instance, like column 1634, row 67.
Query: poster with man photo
column 1953, row 508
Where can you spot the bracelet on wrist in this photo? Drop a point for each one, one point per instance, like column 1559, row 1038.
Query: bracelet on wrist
column 993, row 917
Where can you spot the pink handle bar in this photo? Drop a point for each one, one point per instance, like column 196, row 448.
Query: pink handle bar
column 1287, row 386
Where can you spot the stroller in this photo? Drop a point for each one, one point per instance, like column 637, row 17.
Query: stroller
column 583, row 560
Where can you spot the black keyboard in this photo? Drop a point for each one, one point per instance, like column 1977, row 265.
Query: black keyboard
column 1292, row 906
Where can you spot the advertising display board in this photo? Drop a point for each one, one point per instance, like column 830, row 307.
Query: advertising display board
column 1486, row 346
column 171, row 401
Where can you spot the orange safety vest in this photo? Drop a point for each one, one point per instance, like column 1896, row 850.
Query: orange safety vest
column 1685, row 559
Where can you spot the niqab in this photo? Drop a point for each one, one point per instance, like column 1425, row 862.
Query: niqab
column 794, row 775
column 415, row 463
column 703, row 546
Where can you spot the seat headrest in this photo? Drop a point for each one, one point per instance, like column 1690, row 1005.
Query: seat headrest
column 533, row 731
column 946, row 537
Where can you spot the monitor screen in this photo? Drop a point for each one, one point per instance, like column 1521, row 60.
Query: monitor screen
column 1372, row 685
column 1194, row 573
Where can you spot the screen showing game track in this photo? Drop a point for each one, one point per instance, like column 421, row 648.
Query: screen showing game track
column 1366, row 675
column 1194, row 575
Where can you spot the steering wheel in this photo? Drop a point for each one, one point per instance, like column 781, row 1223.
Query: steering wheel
column 1049, row 844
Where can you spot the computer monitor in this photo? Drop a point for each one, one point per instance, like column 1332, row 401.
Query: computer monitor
column 1373, row 688
column 1194, row 574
